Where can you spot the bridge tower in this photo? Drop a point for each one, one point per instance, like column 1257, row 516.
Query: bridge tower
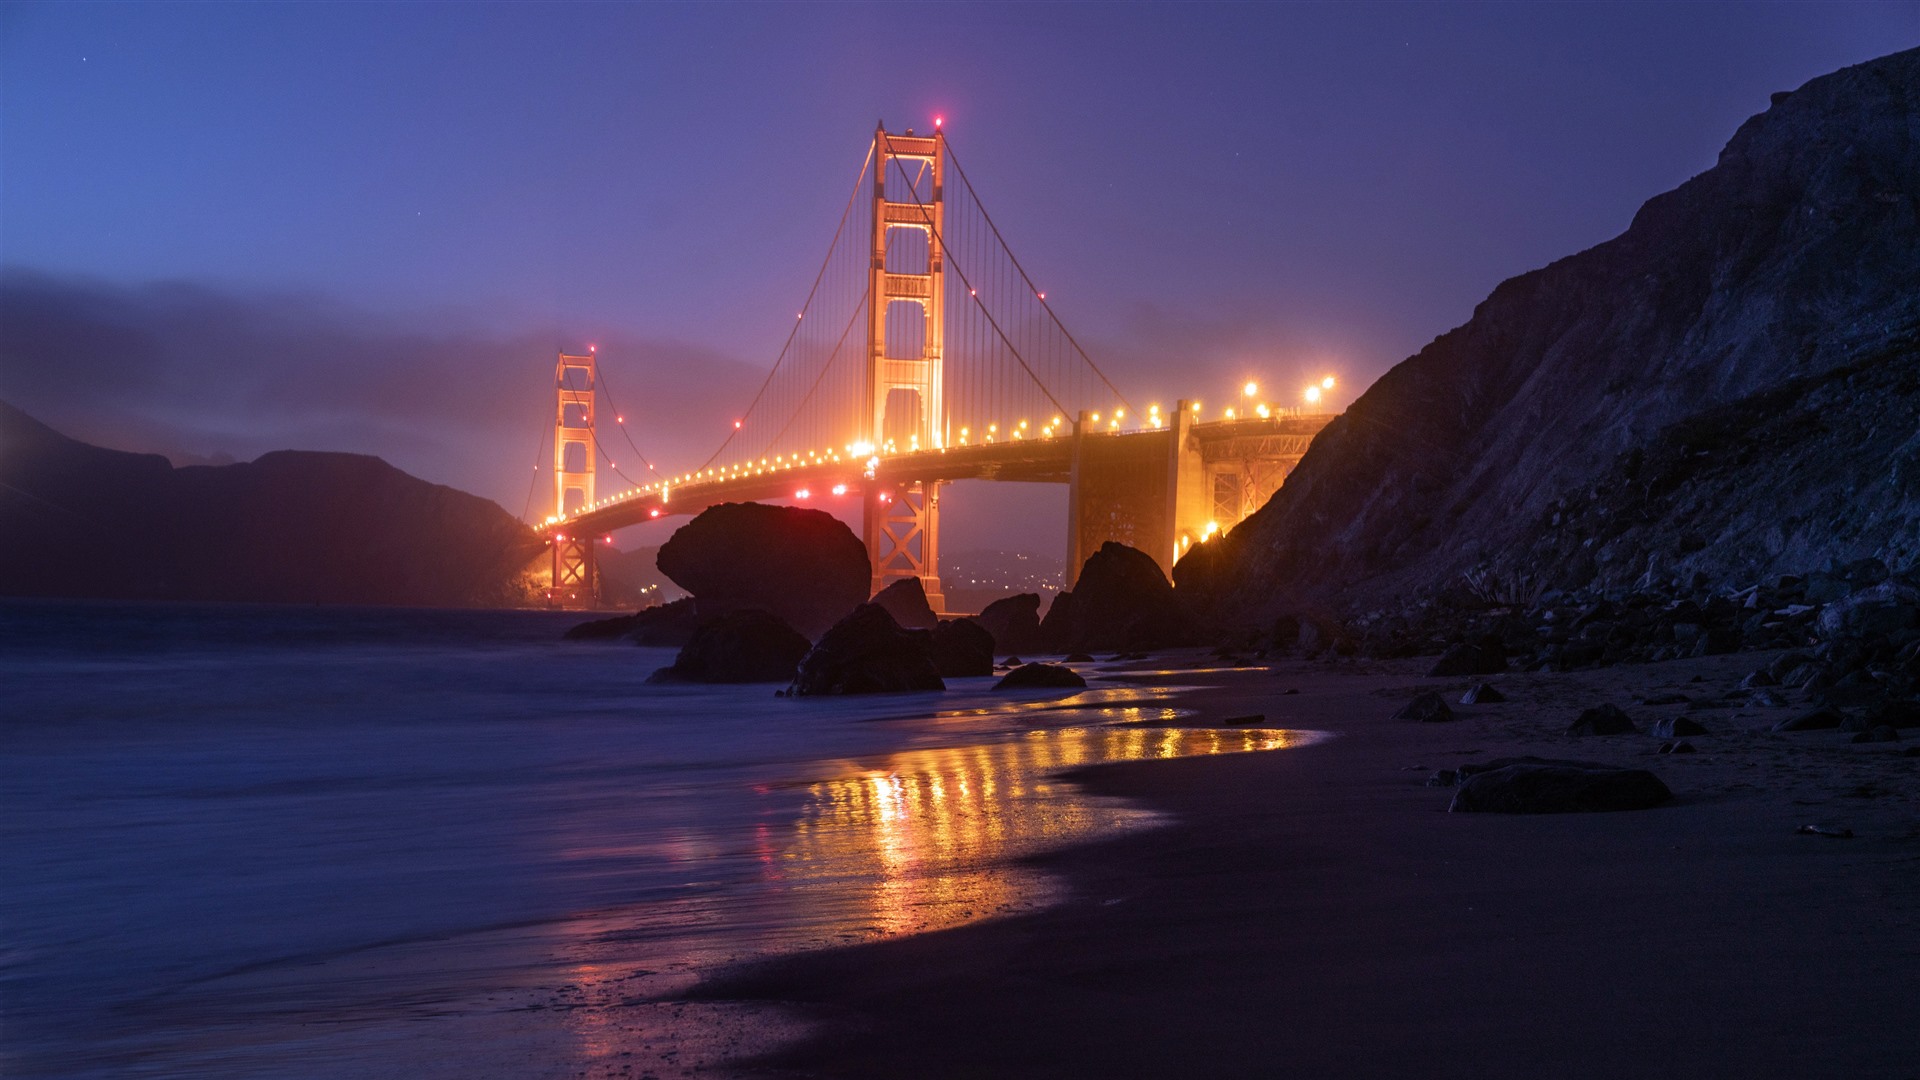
column 574, row 580
column 905, row 403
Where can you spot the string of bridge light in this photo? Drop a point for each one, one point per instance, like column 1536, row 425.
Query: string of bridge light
column 869, row 456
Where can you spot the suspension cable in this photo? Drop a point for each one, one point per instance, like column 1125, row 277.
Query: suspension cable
column 991, row 321
column 955, row 158
column 840, row 229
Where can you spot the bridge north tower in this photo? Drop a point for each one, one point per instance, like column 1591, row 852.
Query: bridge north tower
column 905, row 407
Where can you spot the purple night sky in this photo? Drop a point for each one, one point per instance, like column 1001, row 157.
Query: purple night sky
column 231, row 228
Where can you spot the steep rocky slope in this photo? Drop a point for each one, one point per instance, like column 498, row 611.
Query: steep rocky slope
column 1764, row 311
column 290, row 527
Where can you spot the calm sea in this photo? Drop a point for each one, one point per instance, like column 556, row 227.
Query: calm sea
column 266, row 841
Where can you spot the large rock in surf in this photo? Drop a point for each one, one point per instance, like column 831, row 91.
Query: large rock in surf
column 743, row 646
column 1612, row 417
column 962, row 648
column 670, row 624
column 1558, row 788
column 868, row 653
column 906, row 600
column 803, row 565
column 1121, row 601
column 1014, row 622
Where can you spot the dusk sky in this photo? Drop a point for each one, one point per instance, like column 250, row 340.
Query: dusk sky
column 230, row 228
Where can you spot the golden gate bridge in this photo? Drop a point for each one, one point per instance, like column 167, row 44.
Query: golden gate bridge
column 925, row 354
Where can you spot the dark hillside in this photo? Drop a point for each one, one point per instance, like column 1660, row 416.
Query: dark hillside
column 290, row 527
column 1793, row 263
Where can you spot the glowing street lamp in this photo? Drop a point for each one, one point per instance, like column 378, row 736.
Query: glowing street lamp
column 1312, row 395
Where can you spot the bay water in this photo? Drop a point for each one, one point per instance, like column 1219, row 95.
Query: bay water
column 271, row 841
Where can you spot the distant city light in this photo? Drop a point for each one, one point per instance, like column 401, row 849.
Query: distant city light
column 1327, row 383
column 1250, row 389
column 1313, row 395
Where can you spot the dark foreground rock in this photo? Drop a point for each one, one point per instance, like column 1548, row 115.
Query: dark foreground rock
column 1558, row 788
column 1014, row 622
column 868, row 653
column 803, row 565
column 665, row 625
column 1121, row 601
column 1428, row 708
column 1040, row 677
column 1675, row 727
column 1482, row 694
column 962, row 649
column 906, row 600
column 1603, row 720
column 738, row 647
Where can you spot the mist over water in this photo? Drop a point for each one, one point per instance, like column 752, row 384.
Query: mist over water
column 221, row 826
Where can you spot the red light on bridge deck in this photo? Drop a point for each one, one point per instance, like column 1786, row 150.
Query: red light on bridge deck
column 653, row 513
column 839, row 489
column 802, row 494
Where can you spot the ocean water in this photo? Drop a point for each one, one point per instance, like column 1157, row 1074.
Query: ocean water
column 258, row 841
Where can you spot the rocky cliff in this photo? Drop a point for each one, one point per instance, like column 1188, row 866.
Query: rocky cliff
column 290, row 527
column 1728, row 388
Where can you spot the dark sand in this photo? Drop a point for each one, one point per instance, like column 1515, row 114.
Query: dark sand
column 1316, row 913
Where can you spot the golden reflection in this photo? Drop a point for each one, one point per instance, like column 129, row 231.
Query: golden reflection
column 926, row 839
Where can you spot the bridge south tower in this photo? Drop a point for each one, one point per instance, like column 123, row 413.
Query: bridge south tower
column 905, row 407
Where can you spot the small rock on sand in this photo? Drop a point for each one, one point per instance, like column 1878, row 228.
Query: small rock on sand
column 1603, row 720
column 1558, row 788
column 1428, row 708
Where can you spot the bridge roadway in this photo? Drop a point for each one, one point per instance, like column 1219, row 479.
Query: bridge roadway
column 1168, row 464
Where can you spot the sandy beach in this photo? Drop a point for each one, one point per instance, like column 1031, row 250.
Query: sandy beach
column 1317, row 913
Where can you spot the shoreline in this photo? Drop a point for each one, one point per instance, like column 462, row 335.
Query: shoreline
column 1316, row 913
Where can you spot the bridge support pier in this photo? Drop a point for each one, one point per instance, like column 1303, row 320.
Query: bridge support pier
column 902, row 527
column 576, row 580
column 1164, row 496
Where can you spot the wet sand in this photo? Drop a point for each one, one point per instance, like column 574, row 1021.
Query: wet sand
column 1316, row 913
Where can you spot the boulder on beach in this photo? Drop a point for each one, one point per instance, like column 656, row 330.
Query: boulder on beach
column 1817, row 720
column 1603, row 720
column 738, row 647
column 1428, row 708
column 1482, row 694
column 868, row 653
column 1675, row 727
column 1041, row 677
column 802, row 565
column 1557, row 788
column 906, row 600
column 962, row 648
column 1014, row 622
column 1120, row 601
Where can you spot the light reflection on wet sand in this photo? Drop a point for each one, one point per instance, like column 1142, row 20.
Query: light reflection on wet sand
column 926, row 840
column 917, row 840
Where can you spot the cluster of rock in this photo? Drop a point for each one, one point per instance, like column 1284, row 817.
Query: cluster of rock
column 763, row 577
